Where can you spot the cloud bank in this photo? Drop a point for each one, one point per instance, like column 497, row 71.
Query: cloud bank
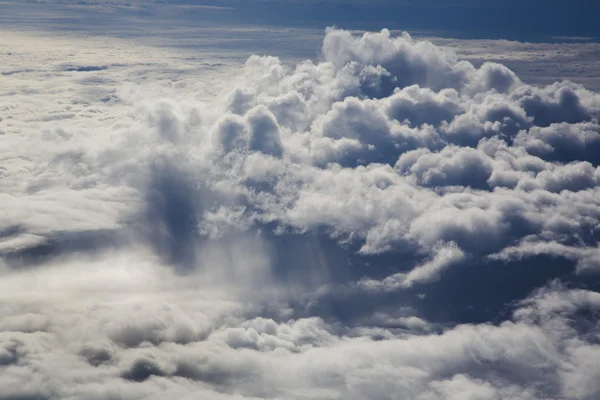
column 277, row 240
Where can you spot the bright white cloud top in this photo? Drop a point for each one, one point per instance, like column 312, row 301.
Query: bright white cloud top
column 178, row 229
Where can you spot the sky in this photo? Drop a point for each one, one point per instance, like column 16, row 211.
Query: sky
column 238, row 199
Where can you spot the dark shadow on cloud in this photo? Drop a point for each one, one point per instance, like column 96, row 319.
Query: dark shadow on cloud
column 170, row 219
column 65, row 243
column 512, row 123
column 377, row 86
column 348, row 306
column 586, row 320
column 314, row 260
column 96, row 355
column 10, row 353
column 142, row 369
column 12, row 230
column 317, row 257
column 215, row 374
column 17, row 71
column 564, row 143
column 27, row 397
column 566, row 108
column 481, row 291
column 85, row 68
column 475, row 292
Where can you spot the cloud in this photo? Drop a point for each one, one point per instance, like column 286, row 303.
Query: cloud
column 280, row 239
column 388, row 143
column 156, row 341
column 427, row 272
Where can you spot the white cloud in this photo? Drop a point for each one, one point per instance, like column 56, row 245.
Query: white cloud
column 307, row 147
column 148, row 221
column 167, row 336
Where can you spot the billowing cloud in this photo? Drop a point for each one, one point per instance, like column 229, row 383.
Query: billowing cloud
column 160, row 240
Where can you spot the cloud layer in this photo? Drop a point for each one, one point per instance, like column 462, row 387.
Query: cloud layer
column 278, row 240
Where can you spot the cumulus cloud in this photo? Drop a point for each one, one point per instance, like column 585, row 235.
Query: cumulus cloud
column 161, row 240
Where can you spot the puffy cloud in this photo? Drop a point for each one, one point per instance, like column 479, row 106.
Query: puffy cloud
column 311, row 147
column 563, row 142
column 144, row 344
column 407, row 62
column 465, row 167
column 560, row 104
column 160, row 240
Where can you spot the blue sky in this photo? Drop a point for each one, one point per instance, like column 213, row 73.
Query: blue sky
column 519, row 20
